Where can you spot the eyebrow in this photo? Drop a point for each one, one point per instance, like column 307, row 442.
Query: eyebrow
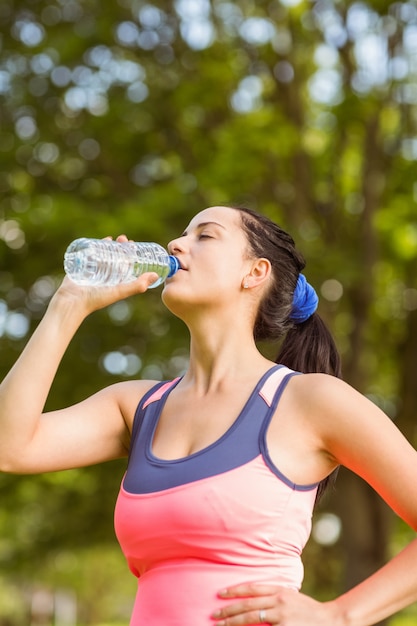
column 203, row 225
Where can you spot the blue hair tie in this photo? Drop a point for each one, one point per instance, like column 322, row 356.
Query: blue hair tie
column 305, row 301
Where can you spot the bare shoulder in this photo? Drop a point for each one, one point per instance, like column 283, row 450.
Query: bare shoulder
column 359, row 435
column 325, row 392
column 339, row 417
column 127, row 395
column 336, row 410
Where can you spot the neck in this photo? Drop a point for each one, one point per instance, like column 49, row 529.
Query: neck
column 223, row 352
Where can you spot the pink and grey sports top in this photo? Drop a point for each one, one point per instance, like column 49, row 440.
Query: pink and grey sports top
column 222, row 516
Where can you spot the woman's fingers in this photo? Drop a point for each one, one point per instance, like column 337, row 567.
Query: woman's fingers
column 273, row 605
column 251, row 590
column 255, row 606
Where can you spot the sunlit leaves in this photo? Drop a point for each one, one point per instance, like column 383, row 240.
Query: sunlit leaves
column 129, row 117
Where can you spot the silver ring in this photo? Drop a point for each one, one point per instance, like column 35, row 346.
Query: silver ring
column 262, row 616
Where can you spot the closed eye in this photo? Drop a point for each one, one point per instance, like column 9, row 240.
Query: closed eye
column 204, row 236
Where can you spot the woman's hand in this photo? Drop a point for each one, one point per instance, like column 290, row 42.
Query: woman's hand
column 269, row 604
column 98, row 297
column 88, row 299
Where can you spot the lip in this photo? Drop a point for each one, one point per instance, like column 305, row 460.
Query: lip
column 182, row 267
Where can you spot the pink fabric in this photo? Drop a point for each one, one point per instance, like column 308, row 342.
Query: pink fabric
column 186, row 543
column 272, row 383
column 159, row 392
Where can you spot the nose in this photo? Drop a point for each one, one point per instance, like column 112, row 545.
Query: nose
column 176, row 245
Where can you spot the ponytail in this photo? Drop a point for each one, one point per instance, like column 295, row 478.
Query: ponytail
column 309, row 347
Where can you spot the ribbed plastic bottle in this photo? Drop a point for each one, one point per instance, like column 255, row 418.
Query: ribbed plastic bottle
column 99, row 262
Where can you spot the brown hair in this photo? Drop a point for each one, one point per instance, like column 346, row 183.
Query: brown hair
column 307, row 346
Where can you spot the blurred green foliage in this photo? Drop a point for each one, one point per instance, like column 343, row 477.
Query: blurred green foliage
column 132, row 116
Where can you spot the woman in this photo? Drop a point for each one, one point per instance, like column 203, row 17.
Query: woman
column 225, row 463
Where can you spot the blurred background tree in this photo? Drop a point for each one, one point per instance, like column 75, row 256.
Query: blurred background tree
column 132, row 116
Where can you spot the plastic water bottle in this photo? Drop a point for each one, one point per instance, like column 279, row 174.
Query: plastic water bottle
column 106, row 262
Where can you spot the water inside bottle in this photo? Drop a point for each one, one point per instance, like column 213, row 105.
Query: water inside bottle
column 98, row 265
column 104, row 262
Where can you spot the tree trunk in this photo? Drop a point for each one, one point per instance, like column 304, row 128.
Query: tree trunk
column 407, row 362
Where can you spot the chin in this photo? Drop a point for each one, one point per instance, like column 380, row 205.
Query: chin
column 172, row 298
column 180, row 301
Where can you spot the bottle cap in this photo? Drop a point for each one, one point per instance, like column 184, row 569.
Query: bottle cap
column 174, row 265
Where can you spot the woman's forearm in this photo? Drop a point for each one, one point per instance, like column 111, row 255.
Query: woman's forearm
column 383, row 594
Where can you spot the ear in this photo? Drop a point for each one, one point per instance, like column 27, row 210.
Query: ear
column 259, row 274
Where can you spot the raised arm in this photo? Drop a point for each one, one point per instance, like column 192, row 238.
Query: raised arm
column 89, row 432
